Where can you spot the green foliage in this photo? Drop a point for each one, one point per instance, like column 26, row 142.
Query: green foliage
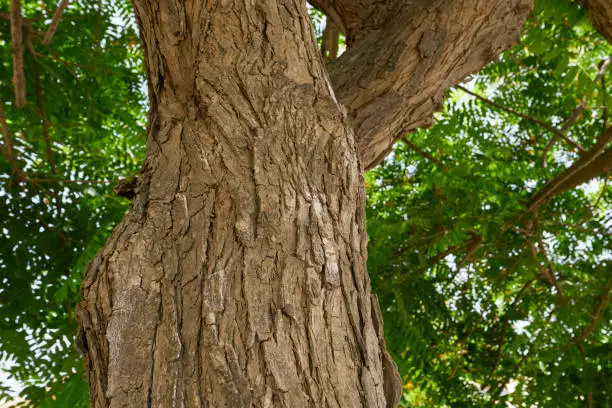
column 467, row 328
column 461, row 330
column 86, row 130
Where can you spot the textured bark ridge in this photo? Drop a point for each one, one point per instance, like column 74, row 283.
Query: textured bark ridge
column 238, row 277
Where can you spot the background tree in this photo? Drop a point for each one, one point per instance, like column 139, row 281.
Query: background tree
column 451, row 325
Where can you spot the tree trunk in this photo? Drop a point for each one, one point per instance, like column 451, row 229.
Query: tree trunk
column 238, row 277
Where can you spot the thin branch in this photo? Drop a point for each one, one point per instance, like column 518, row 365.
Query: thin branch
column 578, row 228
column 460, row 342
column 43, row 118
column 544, row 273
column 604, row 93
column 603, row 192
column 59, row 181
column 595, row 162
column 7, row 148
column 506, row 322
column 55, row 22
column 566, row 127
column 471, row 247
column 24, row 22
column 17, row 48
column 425, row 154
column 604, row 299
column 603, row 66
column 41, row 109
column 522, row 115
column 551, row 268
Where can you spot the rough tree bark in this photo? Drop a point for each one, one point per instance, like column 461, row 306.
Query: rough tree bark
column 238, row 278
column 600, row 13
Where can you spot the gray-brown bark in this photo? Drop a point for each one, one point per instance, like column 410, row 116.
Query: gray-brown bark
column 394, row 75
column 238, row 277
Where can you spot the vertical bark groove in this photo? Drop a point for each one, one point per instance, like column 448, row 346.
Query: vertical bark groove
column 238, row 277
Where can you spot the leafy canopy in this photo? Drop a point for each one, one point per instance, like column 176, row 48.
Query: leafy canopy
column 484, row 301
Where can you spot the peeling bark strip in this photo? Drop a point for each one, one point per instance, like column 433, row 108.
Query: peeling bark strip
column 404, row 55
column 238, row 277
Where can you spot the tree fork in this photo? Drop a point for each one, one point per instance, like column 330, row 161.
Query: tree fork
column 238, row 277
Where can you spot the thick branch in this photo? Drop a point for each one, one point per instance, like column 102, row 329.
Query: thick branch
column 17, row 41
column 600, row 13
column 393, row 79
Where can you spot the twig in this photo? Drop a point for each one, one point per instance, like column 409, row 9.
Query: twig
column 17, row 46
column 522, row 115
column 595, row 162
column 423, row 153
column 50, row 180
column 55, row 22
column 24, row 22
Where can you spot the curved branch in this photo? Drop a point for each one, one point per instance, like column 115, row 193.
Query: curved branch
column 393, row 77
